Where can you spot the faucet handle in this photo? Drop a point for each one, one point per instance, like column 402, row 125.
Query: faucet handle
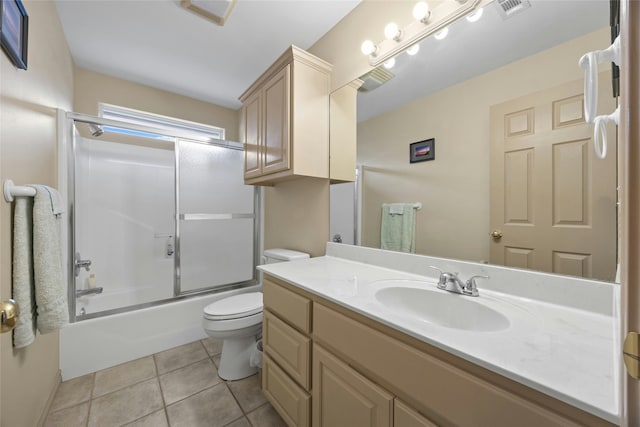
column 471, row 287
column 442, row 279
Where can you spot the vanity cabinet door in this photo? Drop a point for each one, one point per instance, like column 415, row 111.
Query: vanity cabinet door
column 275, row 157
column 251, row 114
column 403, row 416
column 289, row 400
column 344, row 398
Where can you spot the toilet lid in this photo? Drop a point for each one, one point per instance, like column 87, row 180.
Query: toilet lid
column 241, row 305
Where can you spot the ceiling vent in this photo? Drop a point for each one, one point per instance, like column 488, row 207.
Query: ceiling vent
column 508, row 8
column 375, row 78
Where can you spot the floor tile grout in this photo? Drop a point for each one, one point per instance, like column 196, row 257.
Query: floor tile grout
column 237, row 396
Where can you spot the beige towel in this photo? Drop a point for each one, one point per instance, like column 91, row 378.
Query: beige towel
column 50, row 289
column 23, row 289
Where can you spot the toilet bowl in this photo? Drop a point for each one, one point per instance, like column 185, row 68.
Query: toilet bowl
column 238, row 321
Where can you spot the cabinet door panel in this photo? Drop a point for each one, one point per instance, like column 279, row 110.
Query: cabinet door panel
column 252, row 122
column 403, row 416
column 288, row 399
column 288, row 347
column 293, row 308
column 276, row 123
column 344, row 398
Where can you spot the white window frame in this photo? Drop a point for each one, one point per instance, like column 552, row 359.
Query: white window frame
column 199, row 131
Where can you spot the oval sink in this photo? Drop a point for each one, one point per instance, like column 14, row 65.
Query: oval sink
column 442, row 308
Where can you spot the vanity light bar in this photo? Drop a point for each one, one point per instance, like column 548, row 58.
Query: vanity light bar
column 437, row 19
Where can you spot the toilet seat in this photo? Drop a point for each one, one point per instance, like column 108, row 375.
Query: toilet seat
column 235, row 307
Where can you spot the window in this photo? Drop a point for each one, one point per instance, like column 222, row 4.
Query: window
column 192, row 130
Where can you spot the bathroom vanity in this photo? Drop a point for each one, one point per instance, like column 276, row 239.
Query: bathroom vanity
column 347, row 343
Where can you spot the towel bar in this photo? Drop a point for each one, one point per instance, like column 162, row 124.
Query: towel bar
column 11, row 191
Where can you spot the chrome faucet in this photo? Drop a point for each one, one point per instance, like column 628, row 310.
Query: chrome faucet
column 450, row 282
column 80, row 263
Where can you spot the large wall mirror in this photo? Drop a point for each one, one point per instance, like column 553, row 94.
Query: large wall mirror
column 503, row 99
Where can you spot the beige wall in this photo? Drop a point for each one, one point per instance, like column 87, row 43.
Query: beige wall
column 92, row 88
column 28, row 155
column 454, row 188
column 297, row 215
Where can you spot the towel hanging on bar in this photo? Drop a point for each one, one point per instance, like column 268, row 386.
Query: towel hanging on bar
column 38, row 284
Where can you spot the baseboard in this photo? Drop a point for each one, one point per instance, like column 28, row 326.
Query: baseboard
column 54, row 388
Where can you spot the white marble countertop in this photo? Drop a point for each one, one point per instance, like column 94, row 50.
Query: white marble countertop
column 565, row 352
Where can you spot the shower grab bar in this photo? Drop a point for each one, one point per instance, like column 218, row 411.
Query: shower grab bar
column 11, row 190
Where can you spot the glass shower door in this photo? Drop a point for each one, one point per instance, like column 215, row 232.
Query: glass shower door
column 124, row 216
column 217, row 222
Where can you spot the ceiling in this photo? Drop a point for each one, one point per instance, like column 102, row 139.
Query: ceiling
column 160, row 44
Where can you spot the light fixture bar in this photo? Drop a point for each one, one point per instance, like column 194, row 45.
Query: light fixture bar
column 441, row 16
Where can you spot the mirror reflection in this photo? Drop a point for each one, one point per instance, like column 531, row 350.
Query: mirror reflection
column 514, row 179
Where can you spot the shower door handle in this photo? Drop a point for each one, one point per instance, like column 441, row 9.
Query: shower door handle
column 80, row 263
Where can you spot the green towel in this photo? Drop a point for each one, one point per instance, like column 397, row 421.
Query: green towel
column 398, row 225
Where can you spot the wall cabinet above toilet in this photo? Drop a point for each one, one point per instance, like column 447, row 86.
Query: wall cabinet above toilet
column 285, row 120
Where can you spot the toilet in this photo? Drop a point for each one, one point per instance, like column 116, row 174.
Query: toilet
column 238, row 321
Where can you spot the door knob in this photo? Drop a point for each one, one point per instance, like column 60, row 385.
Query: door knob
column 8, row 315
column 496, row 235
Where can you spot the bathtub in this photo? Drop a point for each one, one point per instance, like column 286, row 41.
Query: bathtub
column 91, row 345
column 118, row 298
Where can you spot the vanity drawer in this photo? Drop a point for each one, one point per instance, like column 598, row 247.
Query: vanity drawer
column 288, row 347
column 427, row 383
column 292, row 403
column 290, row 306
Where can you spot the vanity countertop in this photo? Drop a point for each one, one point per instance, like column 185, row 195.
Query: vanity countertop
column 564, row 352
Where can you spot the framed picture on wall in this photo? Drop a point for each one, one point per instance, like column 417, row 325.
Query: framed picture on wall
column 14, row 31
column 422, row 150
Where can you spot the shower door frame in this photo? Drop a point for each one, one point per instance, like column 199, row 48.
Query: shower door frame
column 176, row 135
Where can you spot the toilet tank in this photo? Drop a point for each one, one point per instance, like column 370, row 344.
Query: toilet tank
column 272, row 256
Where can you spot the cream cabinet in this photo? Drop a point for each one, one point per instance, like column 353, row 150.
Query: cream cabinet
column 327, row 366
column 285, row 120
column 286, row 376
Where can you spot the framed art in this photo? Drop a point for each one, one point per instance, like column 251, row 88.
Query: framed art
column 422, row 150
column 14, row 31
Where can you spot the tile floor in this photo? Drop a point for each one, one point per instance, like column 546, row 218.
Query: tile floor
column 179, row 387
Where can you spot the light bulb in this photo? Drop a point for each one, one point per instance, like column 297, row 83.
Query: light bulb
column 413, row 49
column 421, row 11
column 369, row 48
column 475, row 16
column 442, row 33
column 392, row 32
column 389, row 63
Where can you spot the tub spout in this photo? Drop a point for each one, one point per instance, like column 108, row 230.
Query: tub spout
column 83, row 292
